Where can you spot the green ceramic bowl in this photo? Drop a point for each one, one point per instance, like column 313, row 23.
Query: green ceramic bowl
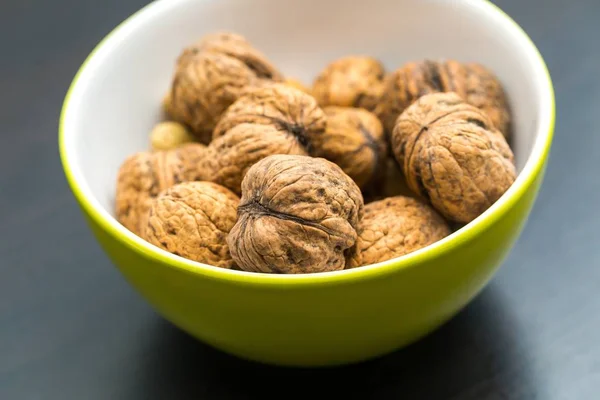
column 314, row 319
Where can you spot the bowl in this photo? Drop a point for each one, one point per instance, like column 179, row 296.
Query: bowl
column 319, row 319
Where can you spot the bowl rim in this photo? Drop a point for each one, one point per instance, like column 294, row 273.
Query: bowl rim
column 534, row 166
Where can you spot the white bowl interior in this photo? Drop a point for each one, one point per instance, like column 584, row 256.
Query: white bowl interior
column 116, row 100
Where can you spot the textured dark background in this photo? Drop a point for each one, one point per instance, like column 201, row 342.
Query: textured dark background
column 71, row 328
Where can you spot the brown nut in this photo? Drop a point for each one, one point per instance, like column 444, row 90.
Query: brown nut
column 354, row 140
column 288, row 109
column 169, row 135
column 144, row 175
column 393, row 227
column 353, row 81
column 230, row 156
column 192, row 220
column 297, row 214
column 233, row 45
column 452, row 155
column 271, row 118
column 203, row 88
column 473, row 82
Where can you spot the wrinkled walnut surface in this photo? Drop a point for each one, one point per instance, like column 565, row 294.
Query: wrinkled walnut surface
column 452, row 155
column 192, row 220
column 353, row 81
column 297, row 214
column 144, row 175
column 230, row 156
column 393, row 227
column 236, row 46
column 354, row 140
column 287, row 108
column 204, row 87
column 473, row 82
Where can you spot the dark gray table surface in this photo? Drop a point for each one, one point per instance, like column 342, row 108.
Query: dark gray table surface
column 72, row 328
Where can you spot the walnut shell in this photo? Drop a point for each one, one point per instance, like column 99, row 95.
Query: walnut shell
column 452, row 155
column 230, row 156
column 192, row 220
column 297, row 214
column 354, row 140
column 393, row 227
column 203, row 87
column 233, row 45
column 352, row 81
column 287, row 108
column 144, row 175
column 472, row 81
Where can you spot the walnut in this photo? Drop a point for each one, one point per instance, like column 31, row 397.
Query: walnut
column 169, row 135
column 192, row 220
column 230, row 156
column 210, row 75
column 393, row 227
column 352, row 81
column 233, row 45
column 269, row 119
column 473, row 82
column 204, row 87
column 354, row 140
column 298, row 214
column 144, row 175
column 452, row 155
column 288, row 109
